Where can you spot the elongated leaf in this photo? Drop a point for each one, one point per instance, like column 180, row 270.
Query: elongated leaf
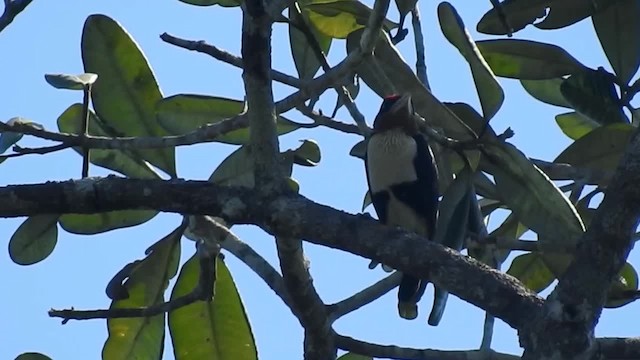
column 599, row 150
column 304, row 57
column 340, row 18
column 90, row 224
column 126, row 93
column 70, row 82
column 397, row 77
column 223, row 3
column 454, row 211
column 564, row 13
column 128, row 163
column 143, row 338
column 535, row 200
column 592, row 93
column 470, row 117
column 520, row 14
column 532, row 271
column 524, row 59
column 34, row 239
column 547, row 91
column 575, row 125
column 405, row 6
column 216, row 330
column 489, row 90
column 183, row 113
column 618, row 30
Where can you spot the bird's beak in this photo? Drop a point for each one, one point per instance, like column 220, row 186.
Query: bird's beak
column 403, row 106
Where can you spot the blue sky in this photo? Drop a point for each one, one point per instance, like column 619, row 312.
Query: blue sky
column 46, row 39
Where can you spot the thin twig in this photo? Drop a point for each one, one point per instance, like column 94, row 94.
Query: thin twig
column 320, row 120
column 364, row 297
column 20, row 151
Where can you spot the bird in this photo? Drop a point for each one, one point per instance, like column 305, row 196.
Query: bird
column 403, row 182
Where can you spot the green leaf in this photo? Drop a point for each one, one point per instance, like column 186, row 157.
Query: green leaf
column 70, row 82
column 308, row 154
column 627, row 281
column 237, row 168
column 547, row 91
column 471, row 118
column 34, row 239
column 367, row 200
column 32, row 356
column 593, row 94
column 340, row 18
column 532, row 271
column 359, row 150
column 453, row 211
column 90, row 224
column 520, row 14
column 618, row 29
column 127, row 162
column 565, row 13
column 143, row 338
column 599, row 150
column 223, row 3
column 354, row 356
column 304, row 57
column 127, row 92
column 386, row 73
column 524, row 59
column 183, row 113
column 216, row 330
column 489, row 90
column 534, row 199
column 575, row 125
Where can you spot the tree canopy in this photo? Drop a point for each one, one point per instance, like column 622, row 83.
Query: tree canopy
column 544, row 242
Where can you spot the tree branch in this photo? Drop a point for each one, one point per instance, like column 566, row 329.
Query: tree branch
column 11, row 10
column 219, row 54
column 364, row 297
column 571, row 312
column 401, row 353
column 498, row 293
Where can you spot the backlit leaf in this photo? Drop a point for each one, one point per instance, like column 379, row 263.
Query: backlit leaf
column 575, row 125
column 547, row 91
column 34, row 239
column 532, row 271
column 340, row 18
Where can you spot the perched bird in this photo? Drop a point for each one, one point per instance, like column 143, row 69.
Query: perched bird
column 403, row 182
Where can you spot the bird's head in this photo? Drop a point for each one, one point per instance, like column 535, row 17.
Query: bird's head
column 396, row 112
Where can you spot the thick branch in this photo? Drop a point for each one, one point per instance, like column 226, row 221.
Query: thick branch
column 565, row 327
column 292, row 216
column 397, row 352
column 11, row 9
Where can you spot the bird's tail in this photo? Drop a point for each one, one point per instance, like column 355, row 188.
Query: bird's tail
column 439, row 303
column 410, row 291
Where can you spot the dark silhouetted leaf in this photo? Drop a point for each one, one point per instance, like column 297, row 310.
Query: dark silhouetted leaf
column 352, row 356
column 308, row 154
column 70, row 82
column 575, row 125
column 237, row 168
column 340, row 18
column 534, row 199
column 599, row 150
column 183, row 113
column 90, row 224
column 405, row 6
column 489, row 90
column 34, row 239
column 563, row 13
column 143, row 338
column 618, row 29
column 524, row 59
column 532, row 271
column 453, row 211
column 216, row 330
column 520, row 14
column 126, row 93
column 627, row 281
column 547, row 91
column 593, row 94
column 304, row 57
column 32, row 356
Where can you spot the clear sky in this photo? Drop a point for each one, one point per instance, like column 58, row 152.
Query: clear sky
column 46, row 39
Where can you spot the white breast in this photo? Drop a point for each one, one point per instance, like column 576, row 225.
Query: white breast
column 390, row 159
